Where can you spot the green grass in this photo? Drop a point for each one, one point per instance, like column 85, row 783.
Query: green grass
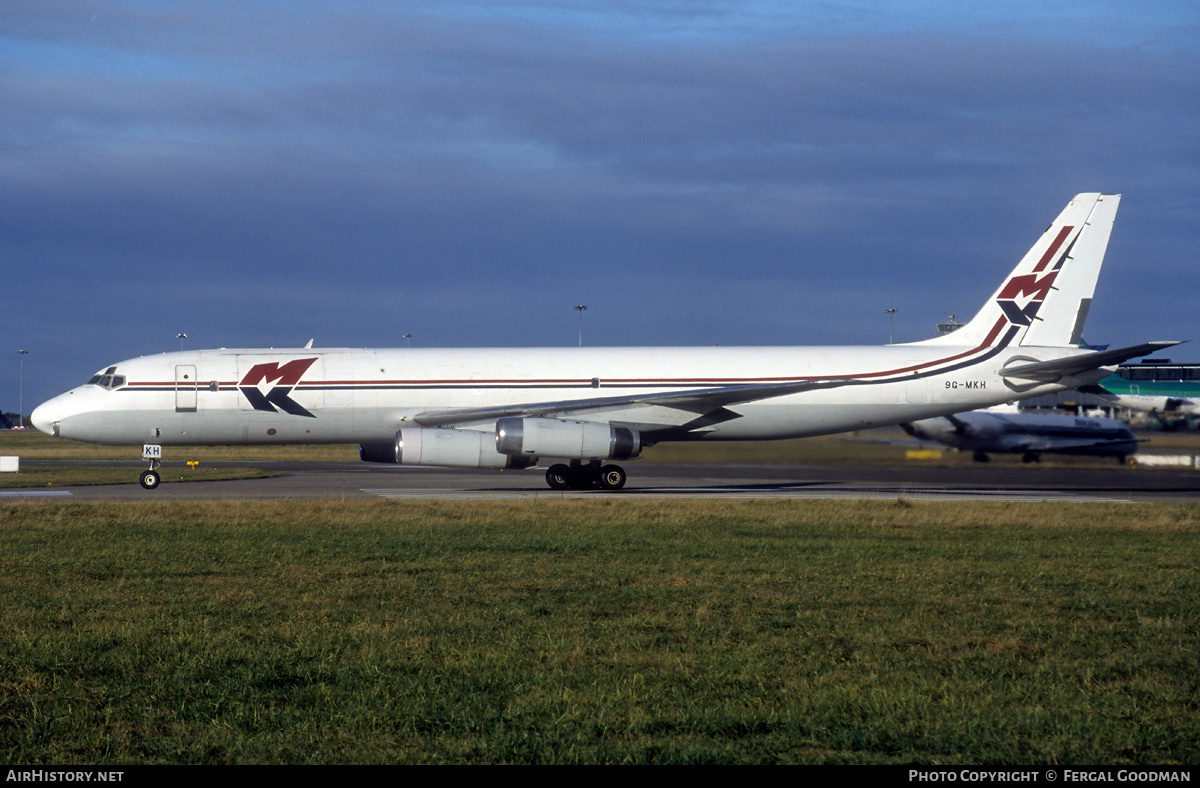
column 870, row 447
column 33, row 476
column 30, row 444
column 610, row 631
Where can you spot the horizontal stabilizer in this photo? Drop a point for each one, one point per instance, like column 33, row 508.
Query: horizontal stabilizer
column 1053, row 371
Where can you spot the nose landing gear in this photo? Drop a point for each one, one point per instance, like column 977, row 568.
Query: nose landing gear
column 150, row 478
column 592, row 476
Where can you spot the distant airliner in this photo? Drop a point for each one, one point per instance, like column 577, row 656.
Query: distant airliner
column 1161, row 388
column 1028, row 434
column 489, row 408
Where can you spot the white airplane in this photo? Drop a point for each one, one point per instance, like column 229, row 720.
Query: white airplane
column 490, row 408
column 1028, row 434
column 1152, row 389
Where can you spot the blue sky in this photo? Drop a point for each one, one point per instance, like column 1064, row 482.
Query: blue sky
column 263, row 173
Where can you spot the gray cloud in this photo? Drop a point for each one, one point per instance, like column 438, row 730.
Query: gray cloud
column 253, row 174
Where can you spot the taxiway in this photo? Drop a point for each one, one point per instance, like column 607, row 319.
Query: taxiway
column 308, row 480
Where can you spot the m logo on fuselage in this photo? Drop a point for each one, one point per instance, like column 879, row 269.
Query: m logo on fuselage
column 284, row 377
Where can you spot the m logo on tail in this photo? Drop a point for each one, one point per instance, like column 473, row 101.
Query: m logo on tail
column 1032, row 286
column 276, row 399
column 1028, row 285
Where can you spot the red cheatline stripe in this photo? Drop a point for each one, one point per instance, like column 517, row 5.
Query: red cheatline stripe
column 1058, row 241
column 1000, row 325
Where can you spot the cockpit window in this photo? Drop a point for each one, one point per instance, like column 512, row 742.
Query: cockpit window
column 107, row 380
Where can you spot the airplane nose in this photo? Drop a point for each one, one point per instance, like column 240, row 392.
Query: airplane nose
column 46, row 416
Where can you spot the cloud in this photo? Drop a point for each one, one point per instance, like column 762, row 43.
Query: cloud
column 469, row 171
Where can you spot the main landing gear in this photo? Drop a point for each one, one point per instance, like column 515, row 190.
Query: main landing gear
column 592, row 476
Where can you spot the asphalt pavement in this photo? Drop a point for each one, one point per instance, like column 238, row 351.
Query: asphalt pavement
column 346, row 481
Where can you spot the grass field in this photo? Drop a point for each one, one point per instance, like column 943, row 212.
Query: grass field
column 609, row 631
column 31, row 445
column 873, row 447
column 82, row 476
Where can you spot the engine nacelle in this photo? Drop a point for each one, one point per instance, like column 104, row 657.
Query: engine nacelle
column 578, row 440
column 451, row 448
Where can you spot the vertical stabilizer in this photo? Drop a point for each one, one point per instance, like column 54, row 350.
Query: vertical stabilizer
column 1061, row 317
column 1045, row 299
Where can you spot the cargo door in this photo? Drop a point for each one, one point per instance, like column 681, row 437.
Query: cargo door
column 916, row 389
column 185, row 388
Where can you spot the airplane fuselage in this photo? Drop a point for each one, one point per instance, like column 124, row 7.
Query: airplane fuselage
column 269, row 396
column 1031, row 434
column 509, row 408
column 1149, row 395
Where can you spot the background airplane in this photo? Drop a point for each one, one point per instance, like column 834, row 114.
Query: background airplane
column 985, row 432
column 509, row 408
column 1154, row 386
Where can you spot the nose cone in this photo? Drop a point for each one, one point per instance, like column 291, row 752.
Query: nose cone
column 47, row 415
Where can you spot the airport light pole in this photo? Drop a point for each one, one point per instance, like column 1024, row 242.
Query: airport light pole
column 581, row 308
column 181, row 337
column 408, row 339
column 890, row 313
column 21, row 417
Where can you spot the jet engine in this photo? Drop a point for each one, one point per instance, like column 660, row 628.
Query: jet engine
column 453, row 448
column 522, row 438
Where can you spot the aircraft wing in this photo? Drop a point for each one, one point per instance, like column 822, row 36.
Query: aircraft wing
column 647, row 411
column 1053, row 371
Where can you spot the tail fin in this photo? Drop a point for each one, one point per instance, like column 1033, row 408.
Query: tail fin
column 1045, row 300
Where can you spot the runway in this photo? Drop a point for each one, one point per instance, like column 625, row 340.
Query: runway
column 346, row 481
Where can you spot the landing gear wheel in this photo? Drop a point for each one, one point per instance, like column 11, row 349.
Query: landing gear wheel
column 150, row 479
column 612, row 477
column 581, row 477
column 558, row 477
